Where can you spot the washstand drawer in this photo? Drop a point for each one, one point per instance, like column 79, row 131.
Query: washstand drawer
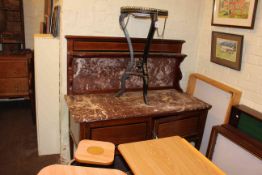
column 14, row 87
column 123, row 133
column 183, row 126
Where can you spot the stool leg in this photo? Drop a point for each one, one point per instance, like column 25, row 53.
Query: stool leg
column 132, row 60
column 131, row 63
column 150, row 37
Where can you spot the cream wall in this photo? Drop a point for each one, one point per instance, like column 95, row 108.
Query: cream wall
column 100, row 18
column 249, row 79
column 33, row 15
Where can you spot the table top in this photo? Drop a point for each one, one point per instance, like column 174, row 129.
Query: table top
column 76, row 170
column 98, row 107
column 167, row 156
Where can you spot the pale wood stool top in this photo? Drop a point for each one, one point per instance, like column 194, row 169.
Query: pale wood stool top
column 95, row 152
column 169, row 156
column 76, row 170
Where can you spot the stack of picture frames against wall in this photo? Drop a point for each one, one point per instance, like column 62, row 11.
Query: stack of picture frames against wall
column 226, row 48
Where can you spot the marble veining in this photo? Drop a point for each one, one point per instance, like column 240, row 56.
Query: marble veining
column 98, row 107
column 92, row 74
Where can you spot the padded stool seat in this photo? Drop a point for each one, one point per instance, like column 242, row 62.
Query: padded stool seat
column 95, row 152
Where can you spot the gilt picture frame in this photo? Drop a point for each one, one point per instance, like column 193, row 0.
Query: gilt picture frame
column 234, row 13
column 226, row 49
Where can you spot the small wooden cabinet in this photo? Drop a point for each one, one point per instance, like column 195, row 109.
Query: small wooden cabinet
column 16, row 75
column 16, row 62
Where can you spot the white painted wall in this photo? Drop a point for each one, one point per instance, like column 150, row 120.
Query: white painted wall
column 47, row 94
column 33, row 15
column 249, row 79
column 100, row 18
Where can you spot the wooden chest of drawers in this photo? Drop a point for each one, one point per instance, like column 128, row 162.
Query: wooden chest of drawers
column 16, row 75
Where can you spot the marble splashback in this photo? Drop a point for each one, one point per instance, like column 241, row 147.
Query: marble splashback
column 98, row 107
column 93, row 74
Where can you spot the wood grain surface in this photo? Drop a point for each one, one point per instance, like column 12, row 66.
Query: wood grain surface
column 167, row 156
column 95, row 152
column 76, row 170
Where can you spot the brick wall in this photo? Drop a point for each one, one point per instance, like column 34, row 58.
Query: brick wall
column 249, row 79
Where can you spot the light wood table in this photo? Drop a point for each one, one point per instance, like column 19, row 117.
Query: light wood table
column 167, row 156
column 76, row 170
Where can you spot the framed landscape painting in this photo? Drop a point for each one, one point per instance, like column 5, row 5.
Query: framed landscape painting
column 226, row 49
column 234, row 13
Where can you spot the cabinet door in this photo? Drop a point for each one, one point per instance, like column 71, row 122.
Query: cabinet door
column 14, row 87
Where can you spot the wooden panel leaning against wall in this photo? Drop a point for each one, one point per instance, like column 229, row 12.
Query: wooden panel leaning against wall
column 221, row 96
column 235, row 97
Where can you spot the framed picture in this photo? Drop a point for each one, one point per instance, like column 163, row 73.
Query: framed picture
column 226, row 49
column 234, row 13
column 55, row 21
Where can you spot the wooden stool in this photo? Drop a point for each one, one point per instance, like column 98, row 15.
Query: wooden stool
column 95, row 152
column 76, row 170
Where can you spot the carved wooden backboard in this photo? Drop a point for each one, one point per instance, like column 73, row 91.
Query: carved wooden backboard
column 96, row 64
